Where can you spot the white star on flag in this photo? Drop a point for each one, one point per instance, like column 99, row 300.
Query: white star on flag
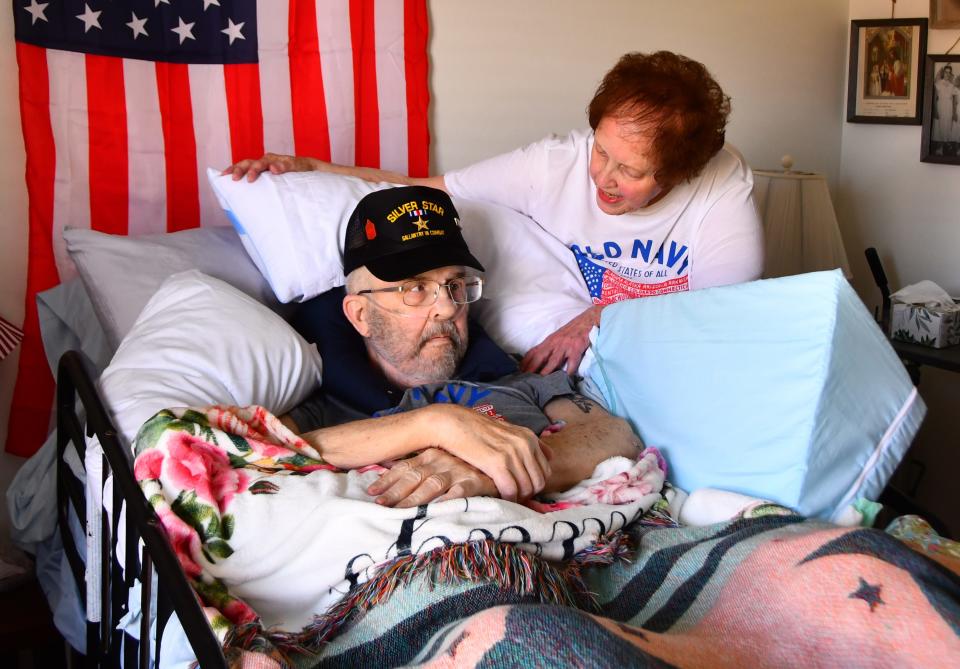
column 233, row 30
column 90, row 18
column 156, row 3
column 207, row 3
column 37, row 10
column 184, row 30
column 138, row 26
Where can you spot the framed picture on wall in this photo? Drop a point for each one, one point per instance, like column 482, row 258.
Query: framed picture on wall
column 945, row 13
column 886, row 71
column 940, row 137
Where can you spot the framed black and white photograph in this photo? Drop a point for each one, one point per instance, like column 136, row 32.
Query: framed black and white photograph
column 886, row 70
column 945, row 13
column 940, row 138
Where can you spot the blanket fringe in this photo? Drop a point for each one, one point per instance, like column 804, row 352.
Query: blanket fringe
column 476, row 561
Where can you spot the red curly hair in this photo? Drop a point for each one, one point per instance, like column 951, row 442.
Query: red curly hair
column 676, row 100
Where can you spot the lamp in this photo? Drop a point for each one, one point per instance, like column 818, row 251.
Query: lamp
column 799, row 224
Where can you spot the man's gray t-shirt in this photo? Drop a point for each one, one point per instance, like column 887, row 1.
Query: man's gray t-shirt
column 517, row 398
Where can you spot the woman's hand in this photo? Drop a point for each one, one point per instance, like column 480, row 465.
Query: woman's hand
column 565, row 345
column 274, row 162
column 432, row 476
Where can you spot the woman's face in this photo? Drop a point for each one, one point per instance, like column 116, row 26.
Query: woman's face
column 622, row 166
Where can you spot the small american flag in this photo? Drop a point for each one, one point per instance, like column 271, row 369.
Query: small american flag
column 607, row 287
column 125, row 103
column 10, row 336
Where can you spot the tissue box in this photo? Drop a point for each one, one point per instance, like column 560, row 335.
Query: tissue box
column 931, row 326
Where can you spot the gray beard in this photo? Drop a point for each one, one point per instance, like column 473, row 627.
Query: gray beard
column 412, row 368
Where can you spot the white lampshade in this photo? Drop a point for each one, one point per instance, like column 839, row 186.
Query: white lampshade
column 799, row 223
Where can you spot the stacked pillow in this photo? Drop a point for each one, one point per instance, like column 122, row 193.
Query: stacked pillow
column 122, row 273
column 200, row 341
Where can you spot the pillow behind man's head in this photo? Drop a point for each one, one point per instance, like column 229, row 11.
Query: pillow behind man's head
column 122, row 273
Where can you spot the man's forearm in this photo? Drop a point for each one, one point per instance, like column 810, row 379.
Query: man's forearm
column 366, row 442
column 590, row 436
column 580, row 447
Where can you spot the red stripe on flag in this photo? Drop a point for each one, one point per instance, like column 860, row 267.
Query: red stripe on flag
column 365, row 103
column 107, row 119
column 180, row 146
column 416, row 29
column 244, row 110
column 311, row 135
column 33, row 392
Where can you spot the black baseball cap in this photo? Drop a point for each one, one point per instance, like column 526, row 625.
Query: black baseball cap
column 400, row 232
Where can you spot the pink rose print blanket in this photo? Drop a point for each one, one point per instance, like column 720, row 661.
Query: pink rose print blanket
column 271, row 537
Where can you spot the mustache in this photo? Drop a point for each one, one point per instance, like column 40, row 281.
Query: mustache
column 441, row 329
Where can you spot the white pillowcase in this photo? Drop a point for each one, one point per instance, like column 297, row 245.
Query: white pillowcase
column 293, row 225
column 200, row 341
column 121, row 272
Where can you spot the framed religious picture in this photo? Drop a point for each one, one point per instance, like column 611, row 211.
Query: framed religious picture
column 940, row 137
column 886, row 70
column 945, row 13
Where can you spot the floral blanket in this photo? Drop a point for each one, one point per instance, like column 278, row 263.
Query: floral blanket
column 282, row 547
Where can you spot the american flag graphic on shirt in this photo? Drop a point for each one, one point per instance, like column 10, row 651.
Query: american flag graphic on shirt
column 606, row 286
column 125, row 103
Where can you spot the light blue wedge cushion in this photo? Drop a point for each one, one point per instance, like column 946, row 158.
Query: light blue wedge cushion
column 783, row 389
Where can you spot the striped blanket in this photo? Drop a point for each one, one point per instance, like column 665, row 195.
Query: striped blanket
column 775, row 591
column 771, row 589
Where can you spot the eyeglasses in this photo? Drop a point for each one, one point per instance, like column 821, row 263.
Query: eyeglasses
column 424, row 293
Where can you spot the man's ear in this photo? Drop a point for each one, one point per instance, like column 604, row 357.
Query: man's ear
column 355, row 309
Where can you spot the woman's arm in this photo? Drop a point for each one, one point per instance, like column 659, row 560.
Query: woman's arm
column 276, row 163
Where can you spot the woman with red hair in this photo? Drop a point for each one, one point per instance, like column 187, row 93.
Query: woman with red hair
column 650, row 200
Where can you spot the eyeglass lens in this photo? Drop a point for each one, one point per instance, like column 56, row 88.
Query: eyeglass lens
column 424, row 293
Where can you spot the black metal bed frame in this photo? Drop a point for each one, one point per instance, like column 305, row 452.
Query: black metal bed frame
column 105, row 643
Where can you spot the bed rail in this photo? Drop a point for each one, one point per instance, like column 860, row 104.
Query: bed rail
column 105, row 643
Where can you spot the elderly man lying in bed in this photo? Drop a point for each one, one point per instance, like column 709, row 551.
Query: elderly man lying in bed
column 397, row 345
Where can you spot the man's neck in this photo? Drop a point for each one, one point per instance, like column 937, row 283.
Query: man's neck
column 394, row 376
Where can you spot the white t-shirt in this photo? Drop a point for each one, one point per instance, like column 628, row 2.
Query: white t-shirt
column 703, row 233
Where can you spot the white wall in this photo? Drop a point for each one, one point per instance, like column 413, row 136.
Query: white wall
column 910, row 211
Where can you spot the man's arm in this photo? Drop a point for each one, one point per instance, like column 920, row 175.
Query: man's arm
column 590, row 436
column 276, row 163
column 510, row 455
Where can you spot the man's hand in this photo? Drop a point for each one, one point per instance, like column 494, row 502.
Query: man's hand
column 566, row 344
column 509, row 454
column 432, row 476
column 274, row 162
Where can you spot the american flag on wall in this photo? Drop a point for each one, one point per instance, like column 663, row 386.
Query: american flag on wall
column 125, row 103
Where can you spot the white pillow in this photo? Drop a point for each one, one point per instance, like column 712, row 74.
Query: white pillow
column 293, row 227
column 121, row 272
column 200, row 341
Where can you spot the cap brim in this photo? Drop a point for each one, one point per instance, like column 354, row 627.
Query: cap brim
column 400, row 266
